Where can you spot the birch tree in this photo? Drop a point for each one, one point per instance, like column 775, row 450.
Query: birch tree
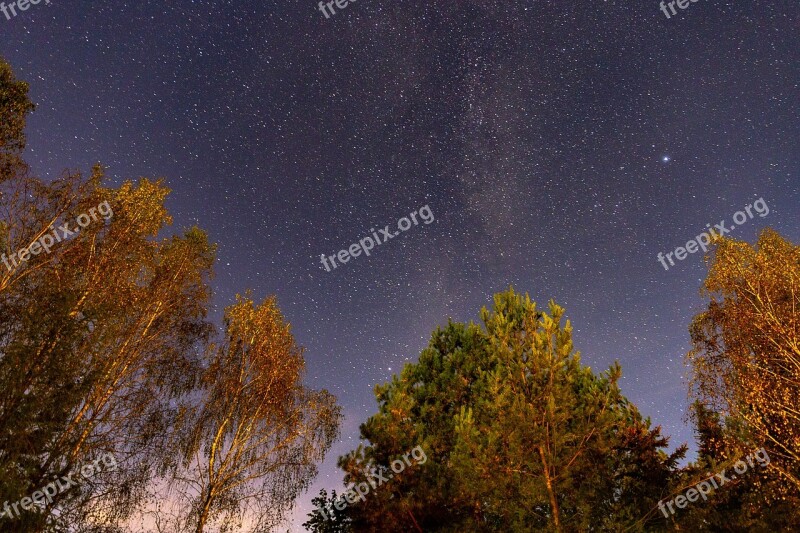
column 745, row 357
column 258, row 432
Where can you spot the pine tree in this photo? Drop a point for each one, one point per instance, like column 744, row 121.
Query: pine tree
column 326, row 518
column 520, row 435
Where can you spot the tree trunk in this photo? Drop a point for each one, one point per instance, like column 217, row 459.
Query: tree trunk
column 553, row 500
column 201, row 521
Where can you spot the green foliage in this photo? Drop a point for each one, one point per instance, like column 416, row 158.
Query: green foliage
column 519, row 434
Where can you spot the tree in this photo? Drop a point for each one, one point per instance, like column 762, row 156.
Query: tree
column 745, row 369
column 14, row 107
column 104, row 351
column 95, row 327
column 745, row 357
column 743, row 503
column 326, row 518
column 98, row 338
column 258, row 432
column 549, row 435
column 520, row 435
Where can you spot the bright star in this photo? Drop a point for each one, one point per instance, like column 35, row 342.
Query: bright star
column 666, row 159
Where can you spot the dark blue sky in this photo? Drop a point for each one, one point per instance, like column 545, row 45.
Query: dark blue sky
column 536, row 131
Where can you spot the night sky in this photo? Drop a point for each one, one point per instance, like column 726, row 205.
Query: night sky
column 560, row 149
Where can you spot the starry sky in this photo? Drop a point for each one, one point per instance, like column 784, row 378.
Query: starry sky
column 561, row 145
